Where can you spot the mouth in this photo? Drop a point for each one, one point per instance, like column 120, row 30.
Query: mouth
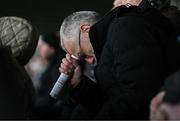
column 90, row 59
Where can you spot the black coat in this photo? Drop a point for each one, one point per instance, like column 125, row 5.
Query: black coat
column 17, row 93
column 173, row 14
column 133, row 49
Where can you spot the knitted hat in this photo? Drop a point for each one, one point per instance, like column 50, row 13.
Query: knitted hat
column 20, row 35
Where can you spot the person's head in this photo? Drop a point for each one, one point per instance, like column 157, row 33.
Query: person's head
column 117, row 3
column 49, row 44
column 160, row 4
column 74, row 34
column 20, row 35
column 166, row 105
column 175, row 3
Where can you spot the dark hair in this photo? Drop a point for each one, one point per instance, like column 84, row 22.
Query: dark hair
column 172, row 89
column 51, row 39
column 159, row 4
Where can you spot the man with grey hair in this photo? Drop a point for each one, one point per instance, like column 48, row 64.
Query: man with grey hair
column 73, row 27
column 127, row 50
column 74, row 33
column 74, row 39
column 70, row 26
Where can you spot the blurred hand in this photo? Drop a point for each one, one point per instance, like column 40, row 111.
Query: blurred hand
column 71, row 66
column 154, row 106
column 170, row 112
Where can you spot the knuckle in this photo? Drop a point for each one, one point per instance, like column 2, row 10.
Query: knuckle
column 68, row 57
column 64, row 60
column 66, row 63
column 67, row 54
column 61, row 70
column 71, row 66
column 61, row 64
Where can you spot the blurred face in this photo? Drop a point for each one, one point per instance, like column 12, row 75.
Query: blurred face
column 45, row 51
column 82, row 47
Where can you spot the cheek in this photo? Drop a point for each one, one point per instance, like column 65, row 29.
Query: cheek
column 45, row 50
column 90, row 49
column 87, row 48
column 51, row 51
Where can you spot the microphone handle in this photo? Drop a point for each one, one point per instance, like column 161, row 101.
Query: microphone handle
column 59, row 85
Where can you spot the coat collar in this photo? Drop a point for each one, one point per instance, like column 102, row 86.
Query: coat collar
column 98, row 32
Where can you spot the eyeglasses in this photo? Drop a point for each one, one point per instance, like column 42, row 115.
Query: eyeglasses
column 78, row 55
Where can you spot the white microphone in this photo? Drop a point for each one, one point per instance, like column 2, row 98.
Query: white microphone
column 60, row 82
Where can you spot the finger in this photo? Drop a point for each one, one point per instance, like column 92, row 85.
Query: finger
column 72, row 60
column 62, row 71
column 68, row 57
column 66, row 62
column 160, row 96
column 166, row 110
column 69, row 65
column 64, row 67
column 156, row 101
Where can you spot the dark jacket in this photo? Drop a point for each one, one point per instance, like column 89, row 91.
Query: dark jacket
column 16, row 89
column 18, row 42
column 172, row 84
column 132, row 48
column 173, row 14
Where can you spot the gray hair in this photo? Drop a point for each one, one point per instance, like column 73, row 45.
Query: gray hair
column 71, row 25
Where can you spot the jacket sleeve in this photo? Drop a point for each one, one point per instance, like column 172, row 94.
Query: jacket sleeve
column 16, row 89
column 88, row 94
column 137, row 73
column 137, row 68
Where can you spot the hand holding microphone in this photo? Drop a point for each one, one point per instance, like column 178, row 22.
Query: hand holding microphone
column 68, row 65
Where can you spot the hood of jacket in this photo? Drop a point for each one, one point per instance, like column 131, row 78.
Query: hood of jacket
column 99, row 31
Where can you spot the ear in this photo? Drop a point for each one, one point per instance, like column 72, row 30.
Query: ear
column 85, row 28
